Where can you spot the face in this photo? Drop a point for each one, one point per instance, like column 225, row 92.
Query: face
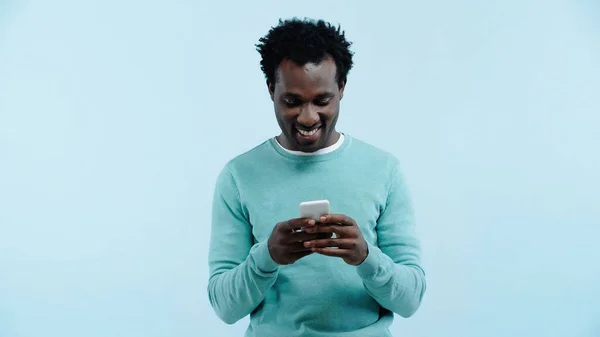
column 307, row 104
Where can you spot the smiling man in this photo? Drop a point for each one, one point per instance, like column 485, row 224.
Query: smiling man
column 307, row 101
column 346, row 274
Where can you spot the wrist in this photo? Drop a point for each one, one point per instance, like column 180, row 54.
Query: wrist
column 369, row 267
column 363, row 255
column 263, row 258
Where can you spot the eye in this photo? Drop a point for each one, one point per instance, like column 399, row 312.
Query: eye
column 322, row 101
column 291, row 102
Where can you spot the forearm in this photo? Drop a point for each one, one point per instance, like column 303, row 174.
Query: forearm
column 395, row 286
column 235, row 292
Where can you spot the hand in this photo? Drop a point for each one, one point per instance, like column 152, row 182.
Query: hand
column 286, row 243
column 349, row 243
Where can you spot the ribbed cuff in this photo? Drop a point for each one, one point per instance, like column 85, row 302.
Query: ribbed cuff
column 262, row 258
column 368, row 269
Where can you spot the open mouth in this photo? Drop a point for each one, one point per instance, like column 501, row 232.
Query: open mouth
column 308, row 133
column 308, row 136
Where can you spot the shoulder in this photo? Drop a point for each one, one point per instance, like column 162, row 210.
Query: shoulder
column 385, row 165
column 368, row 152
column 229, row 175
column 254, row 157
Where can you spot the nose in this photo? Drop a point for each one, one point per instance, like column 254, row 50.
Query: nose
column 309, row 116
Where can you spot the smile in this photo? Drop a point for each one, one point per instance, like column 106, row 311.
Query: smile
column 308, row 133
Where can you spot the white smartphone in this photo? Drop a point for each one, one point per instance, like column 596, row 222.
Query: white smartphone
column 314, row 209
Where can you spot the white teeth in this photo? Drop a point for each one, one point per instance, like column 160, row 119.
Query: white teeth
column 308, row 133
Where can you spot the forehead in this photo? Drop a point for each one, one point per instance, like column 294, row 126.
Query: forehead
column 308, row 78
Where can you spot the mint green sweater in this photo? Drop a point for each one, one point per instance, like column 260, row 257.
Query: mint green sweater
column 318, row 295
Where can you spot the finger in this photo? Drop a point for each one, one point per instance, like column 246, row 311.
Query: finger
column 297, row 256
column 333, row 252
column 297, row 247
column 340, row 230
column 337, row 219
column 297, row 223
column 305, row 236
column 324, row 236
column 324, row 243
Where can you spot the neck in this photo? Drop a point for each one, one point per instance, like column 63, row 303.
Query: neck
column 333, row 138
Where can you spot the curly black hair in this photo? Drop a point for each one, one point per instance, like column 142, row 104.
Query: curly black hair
column 304, row 41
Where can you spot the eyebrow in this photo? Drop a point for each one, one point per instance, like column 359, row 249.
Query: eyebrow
column 326, row 95
column 319, row 96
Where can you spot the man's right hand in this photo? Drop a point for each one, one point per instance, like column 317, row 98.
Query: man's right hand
column 286, row 243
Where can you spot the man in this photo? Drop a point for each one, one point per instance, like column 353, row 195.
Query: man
column 311, row 282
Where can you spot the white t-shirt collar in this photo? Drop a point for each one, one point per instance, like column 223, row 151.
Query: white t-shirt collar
column 322, row 151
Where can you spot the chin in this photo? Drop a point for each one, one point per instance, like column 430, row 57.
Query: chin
column 308, row 149
column 312, row 147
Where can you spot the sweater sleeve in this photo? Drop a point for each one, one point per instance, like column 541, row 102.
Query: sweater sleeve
column 392, row 273
column 241, row 272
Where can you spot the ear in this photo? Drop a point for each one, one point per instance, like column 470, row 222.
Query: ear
column 271, row 89
column 342, row 87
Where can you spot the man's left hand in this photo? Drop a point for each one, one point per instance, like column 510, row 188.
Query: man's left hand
column 348, row 244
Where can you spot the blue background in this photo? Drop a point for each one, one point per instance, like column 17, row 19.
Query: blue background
column 116, row 116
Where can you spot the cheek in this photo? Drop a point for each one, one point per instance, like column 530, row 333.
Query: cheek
column 287, row 113
column 331, row 111
column 281, row 110
column 286, row 117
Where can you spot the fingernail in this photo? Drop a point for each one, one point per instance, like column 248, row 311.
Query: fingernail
column 323, row 218
column 307, row 244
column 311, row 222
column 310, row 230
